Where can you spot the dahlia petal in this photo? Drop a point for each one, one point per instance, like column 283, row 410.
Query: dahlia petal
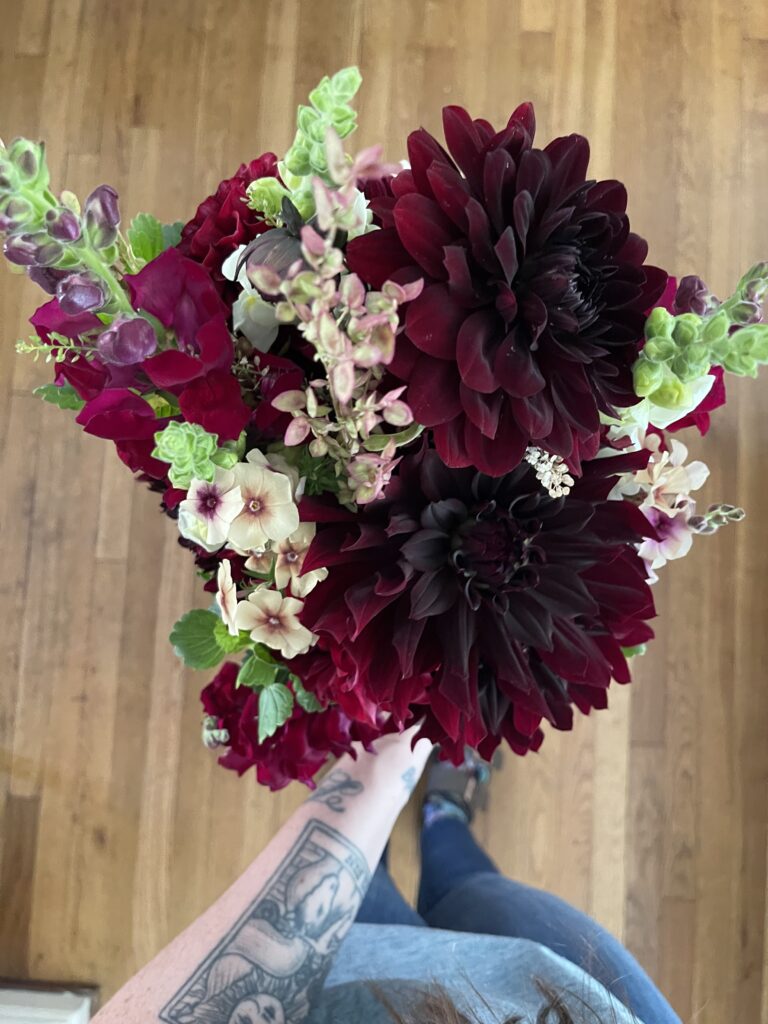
column 427, row 550
column 475, row 355
column 376, row 256
column 515, row 369
column 451, row 192
column 498, row 175
column 506, row 252
column 482, row 410
column 479, row 234
column 405, row 357
column 559, row 441
column 433, row 391
column 534, row 414
column 464, row 144
column 424, row 230
column 610, row 196
column 506, row 304
column 522, row 214
column 423, row 151
column 570, row 159
column 403, row 183
column 432, row 321
column 525, row 116
column 460, row 282
column 449, row 441
column 500, row 455
column 560, row 590
column 532, row 172
column 406, row 639
column 365, row 604
column 578, row 409
column 433, row 594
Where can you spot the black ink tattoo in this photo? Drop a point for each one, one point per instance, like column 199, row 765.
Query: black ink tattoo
column 273, row 963
column 335, row 788
column 410, row 777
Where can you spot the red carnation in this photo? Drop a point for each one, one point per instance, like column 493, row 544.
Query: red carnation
column 535, row 292
column 504, row 606
column 298, row 750
column 223, row 222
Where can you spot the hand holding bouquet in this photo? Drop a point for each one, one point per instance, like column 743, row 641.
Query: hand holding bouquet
column 415, row 422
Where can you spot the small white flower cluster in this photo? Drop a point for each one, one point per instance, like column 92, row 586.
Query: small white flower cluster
column 551, row 472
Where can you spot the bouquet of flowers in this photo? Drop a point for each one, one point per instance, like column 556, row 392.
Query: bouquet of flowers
column 416, row 423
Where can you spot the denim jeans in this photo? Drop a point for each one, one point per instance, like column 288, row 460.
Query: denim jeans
column 462, row 890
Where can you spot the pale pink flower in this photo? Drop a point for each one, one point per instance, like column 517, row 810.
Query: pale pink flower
column 272, row 619
column 268, row 513
column 289, row 558
column 675, row 537
column 207, row 512
column 226, row 596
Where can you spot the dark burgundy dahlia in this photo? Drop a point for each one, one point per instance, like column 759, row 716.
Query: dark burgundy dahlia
column 481, row 602
column 535, row 292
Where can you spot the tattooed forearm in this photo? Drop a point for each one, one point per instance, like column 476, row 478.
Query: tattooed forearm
column 335, row 788
column 272, row 964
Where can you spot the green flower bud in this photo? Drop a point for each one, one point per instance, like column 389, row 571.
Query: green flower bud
column 716, row 328
column 647, row 377
column 345, row 83
column 673, row 393
column 687, row 328
column 659, row 323
column 745, row 312
column 29, row 161
column 266, row 195
column 297, row 160
column 189, row 449
column 659, row 350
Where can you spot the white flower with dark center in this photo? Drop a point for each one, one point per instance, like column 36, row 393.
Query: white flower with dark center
column 226, row 596
column 289, row 558
column 251, row 315
column 268, row 513
column 206, row 514
column 272, row 619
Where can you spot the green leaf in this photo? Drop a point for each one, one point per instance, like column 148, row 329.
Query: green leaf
column 275, row 707
column 378, row 442
column 306, row 700
column 256, row 673
column 63, row 395
column 197, row 637
column 172, row 234
column 633, row 652
column 228, row 643
column 145, row 237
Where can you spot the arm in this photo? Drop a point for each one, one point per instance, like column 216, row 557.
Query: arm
column 262, row 952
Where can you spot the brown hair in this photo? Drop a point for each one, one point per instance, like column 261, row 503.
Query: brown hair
column 433, row 1004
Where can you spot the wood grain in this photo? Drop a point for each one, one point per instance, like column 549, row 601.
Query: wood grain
column 116, row 827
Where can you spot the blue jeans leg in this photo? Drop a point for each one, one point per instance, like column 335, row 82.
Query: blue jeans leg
column 384, row 903
column 461, row 890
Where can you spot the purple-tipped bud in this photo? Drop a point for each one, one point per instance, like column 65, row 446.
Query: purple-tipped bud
column 47, row 278
column 102, row 216
column 26, row 157
column 14, row 214
column 693, row 296
column 79, row 292
column 63, row 225
column 127, row 342
column 32, row 250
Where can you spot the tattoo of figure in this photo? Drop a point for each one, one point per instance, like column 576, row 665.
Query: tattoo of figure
column 409, row 779
column 273, row 963
column 335, row 788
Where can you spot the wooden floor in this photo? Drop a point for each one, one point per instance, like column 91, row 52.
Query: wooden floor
column 116, row 826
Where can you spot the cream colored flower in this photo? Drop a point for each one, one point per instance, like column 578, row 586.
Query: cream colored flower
column 666, row 482
column 279, row 463
column 206, row 514
column 251, row 315
column 269, row 512
column 271, row 619
column 226, row 596
column 290, row 554
column 260, row 562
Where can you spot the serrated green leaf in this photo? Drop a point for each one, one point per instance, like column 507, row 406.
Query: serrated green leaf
column 306, row 700
column 196, row 639
column 172, row 234
column 64, row 396
column 256, row 673
column 275, row 708
column 145, row 237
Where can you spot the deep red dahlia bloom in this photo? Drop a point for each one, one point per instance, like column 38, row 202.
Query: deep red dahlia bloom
column 535, row 292
column 223, row 222
column 504, row 606
column 298, row 750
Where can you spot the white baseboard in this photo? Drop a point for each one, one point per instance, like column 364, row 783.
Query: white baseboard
column 27, row 1006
